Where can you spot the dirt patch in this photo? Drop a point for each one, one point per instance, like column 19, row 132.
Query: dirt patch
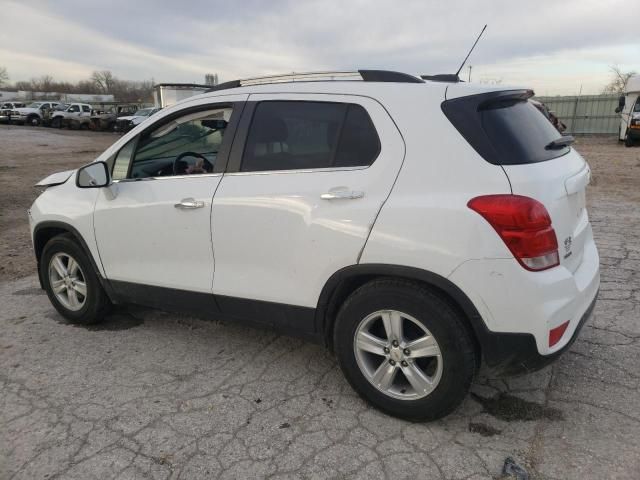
column 119, row 320
column 483, row 429
column 29, row 154
column 509, row 408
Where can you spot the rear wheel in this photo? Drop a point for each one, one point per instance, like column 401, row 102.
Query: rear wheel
column 56, row 122
column 71, row 282
column 628, row 141
column 405, row 349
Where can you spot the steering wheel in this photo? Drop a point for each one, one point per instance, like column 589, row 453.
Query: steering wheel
column 206, row 164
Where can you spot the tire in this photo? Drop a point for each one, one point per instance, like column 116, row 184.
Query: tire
column 56, row 122
column 628, row 141
column 423, row 312
column 33, row 121
column 90, row 308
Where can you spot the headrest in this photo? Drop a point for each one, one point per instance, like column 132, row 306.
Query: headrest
column 270, row 129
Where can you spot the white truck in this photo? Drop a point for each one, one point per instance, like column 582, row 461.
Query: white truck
column 74, row 115
column 32, row 114
column 629, row 110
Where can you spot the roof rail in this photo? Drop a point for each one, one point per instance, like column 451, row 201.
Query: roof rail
column 363, row 75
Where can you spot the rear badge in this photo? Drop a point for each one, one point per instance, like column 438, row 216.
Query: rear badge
column 567, row 247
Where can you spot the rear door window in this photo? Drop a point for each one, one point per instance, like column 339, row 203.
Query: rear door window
column 301, row 135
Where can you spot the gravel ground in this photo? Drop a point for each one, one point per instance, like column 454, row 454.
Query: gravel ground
column 155, row 395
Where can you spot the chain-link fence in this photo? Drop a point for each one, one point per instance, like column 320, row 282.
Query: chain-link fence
column 586, row 114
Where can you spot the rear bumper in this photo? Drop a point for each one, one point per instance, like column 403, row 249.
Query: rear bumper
column 516, row 353
column 518, row 308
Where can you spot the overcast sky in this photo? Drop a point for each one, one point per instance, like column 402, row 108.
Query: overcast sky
column 554, row 46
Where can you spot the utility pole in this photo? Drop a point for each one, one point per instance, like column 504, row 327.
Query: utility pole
column 470, row 67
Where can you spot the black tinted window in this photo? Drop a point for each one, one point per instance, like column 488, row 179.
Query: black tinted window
column 504, row 128
column 291, row 135
column 359, row 144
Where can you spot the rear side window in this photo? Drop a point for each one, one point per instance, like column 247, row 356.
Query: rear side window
column 505, row 128
column 295, row 135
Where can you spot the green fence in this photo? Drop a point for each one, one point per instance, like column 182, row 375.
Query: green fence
column 586, row 114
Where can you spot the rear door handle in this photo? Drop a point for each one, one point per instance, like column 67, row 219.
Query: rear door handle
column 189, row 204
column 341, row 194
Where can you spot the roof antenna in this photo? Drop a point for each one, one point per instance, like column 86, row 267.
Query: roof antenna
column 453, row 77
column 474, row 46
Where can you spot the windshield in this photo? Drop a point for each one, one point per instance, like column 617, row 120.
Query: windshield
column 35, row 105
column 145, row 112
column 636, row 108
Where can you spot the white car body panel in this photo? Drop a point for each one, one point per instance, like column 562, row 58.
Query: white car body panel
column 275, row 238
column 143, row 238
column 70, row 205
column 426, row 223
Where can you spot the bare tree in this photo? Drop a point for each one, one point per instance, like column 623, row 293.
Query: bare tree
column 618, row 80
column 4, row 76
column 104, row 80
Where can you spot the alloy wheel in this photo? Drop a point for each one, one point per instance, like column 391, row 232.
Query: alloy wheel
column 67, row 281
column 398, row 355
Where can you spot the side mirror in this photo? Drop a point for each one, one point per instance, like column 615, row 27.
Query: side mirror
column 621, row 102
column 618, row 109
column 94, row 175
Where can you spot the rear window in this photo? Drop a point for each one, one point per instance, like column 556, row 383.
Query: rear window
column 505, row 128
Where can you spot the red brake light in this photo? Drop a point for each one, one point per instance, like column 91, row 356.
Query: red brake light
column 525, row 227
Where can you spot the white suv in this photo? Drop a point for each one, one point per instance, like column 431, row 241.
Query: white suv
column 418, row 228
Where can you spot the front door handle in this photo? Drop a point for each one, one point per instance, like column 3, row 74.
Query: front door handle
column 341, row 194
column 189, row 204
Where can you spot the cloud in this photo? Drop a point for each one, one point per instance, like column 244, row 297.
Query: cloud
column 181, row 41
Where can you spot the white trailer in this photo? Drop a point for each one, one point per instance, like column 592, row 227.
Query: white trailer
column 166, row 94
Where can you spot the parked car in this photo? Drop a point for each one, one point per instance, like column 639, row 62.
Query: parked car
column 105, row 119
column 415, row 242
column 33, row 114
column 629, row 110
column 549, row 115
column 71, row 115
column 7, row 108
column 126, row 123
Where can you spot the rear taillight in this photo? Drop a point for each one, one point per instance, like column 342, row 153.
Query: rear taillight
column 525, row 227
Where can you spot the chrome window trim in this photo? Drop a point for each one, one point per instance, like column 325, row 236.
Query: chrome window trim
column 168, row 177
column 289, row 171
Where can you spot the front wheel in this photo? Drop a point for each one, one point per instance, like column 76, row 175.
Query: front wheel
column 405, row 349
column 71, row 283
column 33, row 121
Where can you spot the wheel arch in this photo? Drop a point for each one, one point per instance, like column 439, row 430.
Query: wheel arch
column 345, row 281
column 45, row 231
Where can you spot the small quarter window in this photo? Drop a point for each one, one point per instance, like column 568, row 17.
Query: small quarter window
column 359, row 143
column 121, row 161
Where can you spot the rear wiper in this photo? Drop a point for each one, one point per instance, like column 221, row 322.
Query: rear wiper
column 563, row 141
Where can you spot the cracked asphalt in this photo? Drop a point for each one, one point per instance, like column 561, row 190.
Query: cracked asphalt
column 155, row 395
